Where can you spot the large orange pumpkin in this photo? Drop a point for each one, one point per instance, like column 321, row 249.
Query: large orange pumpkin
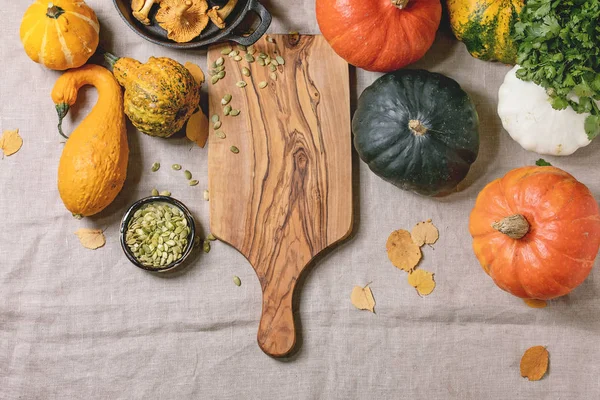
column 379, row 35
column 536, row 232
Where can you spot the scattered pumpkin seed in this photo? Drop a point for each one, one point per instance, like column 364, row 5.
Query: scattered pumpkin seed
column 220, row 134
column 249, row 58
column 268, row 60
column 251, row 49
column 188, row 174
column 233, row 53
column 220, row 68
column 274, row 62
column 212, row 72
column 262, row 84
column 176, row 167
column 234, row 150
column 273, row 76
column 234, row 112
column 272, row 67
column 211, row 237
column 241, row 84
column 280, row 60
column 155, row 167
column 237, row 280
column 221, row 75
column 237, row 58
column 214, row 118
column 241, row 47
column 206, row 246
column 217, row 125
column 165, row 193
column 227, row 109
column 154, row 192
column 226, row 50
column 214, row 64
column 245, row 71
column 226, row 99
column 214, row 79
column 193, row 182
column 261, row 62
column 206, row 195
column 219, row 62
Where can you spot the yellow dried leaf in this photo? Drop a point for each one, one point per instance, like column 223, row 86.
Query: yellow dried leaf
column 197, row 128
column 402, row 251
column 91, row 238
column 362, row 298
column 535, row 303
column 11, row 142
column 422, row 281
column 534, row 363
column 196, row 72
column 425, row 233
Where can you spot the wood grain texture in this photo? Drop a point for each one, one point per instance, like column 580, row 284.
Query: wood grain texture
column 287, row 194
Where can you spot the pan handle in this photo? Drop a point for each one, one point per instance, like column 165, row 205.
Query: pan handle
column 265, row 21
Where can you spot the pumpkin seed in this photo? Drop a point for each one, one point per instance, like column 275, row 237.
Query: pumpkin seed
column 220, row 134
column 211, row 237
column 274, row 62
column 237, row 58
column 241, row 47
column 245, row 71
column 212, row 72
column 241, row 84
column 155, row 167
column 188, row 174
column 273, row 76
column 251, row 49
column 221, row 75
column 280, row 60
column 237, row 280
column 233, row 53
column 226, row 51
column 262, row 55
column 268, row 60
column 214, row 79
column 220, row 68
column 262, row 84
column 219, row 62
column 226, row 99
column 176, row 167
column 206, row 246
column 249, row 58
column 206, row 195
column 217, row 125
column 261, row 62
column 234, row 150
column 272, row 67
column 214, row 118
column 234, row 112
column 193, row 182
column 154, row 192
column 227, row 109
column 214, row 64
column 165, row 193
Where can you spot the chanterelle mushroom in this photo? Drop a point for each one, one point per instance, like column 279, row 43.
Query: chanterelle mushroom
column 141, row 9
column 218, row 15
column 183, row 20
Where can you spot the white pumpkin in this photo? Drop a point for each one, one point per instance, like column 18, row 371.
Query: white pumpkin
column 529, row 118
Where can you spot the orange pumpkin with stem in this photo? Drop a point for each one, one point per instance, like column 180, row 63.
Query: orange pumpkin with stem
column 536, row 232
column 379, row 35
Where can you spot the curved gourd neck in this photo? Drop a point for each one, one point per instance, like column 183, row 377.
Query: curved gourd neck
column 123, row 68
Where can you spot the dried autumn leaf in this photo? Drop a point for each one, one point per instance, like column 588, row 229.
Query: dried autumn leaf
column 362, row 298
column 534, row 363
column 11, row 142
column 402, row 251
column 197, row 128
column 422, row 281
column 535, row 303
column 425, row 233
column 91, row 238
column 196, row 72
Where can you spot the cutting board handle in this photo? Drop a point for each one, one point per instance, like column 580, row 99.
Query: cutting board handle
column 277, row 331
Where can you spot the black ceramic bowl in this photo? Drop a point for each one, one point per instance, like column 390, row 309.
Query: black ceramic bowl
column 211, row 35
column 158, row 199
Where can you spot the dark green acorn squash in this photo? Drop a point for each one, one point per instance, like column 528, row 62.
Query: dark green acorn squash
column 417, row 130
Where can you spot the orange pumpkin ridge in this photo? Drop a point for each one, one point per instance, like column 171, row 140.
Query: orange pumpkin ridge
column 536, row 232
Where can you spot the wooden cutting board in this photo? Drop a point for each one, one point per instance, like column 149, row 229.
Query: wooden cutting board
column 287, row 194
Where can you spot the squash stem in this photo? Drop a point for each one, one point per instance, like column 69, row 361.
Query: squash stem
column 514, row 226
column 62, row 109
column 54, row 11
column 401, row 4
column 417, row 127
column 111, row 59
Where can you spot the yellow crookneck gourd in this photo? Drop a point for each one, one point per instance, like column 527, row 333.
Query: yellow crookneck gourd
column 93, row 165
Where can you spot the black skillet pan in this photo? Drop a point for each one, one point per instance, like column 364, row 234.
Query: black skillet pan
column 212, row 34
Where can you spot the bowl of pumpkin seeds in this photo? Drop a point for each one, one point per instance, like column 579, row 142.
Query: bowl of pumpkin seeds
column 157, row 233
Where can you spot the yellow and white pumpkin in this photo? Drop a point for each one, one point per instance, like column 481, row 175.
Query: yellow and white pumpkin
column 60, row 34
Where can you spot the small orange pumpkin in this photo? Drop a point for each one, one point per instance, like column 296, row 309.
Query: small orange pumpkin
column 536, row 232
column 379, row 35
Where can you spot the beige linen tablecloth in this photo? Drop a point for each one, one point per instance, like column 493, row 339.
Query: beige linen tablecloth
column 82, row 324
